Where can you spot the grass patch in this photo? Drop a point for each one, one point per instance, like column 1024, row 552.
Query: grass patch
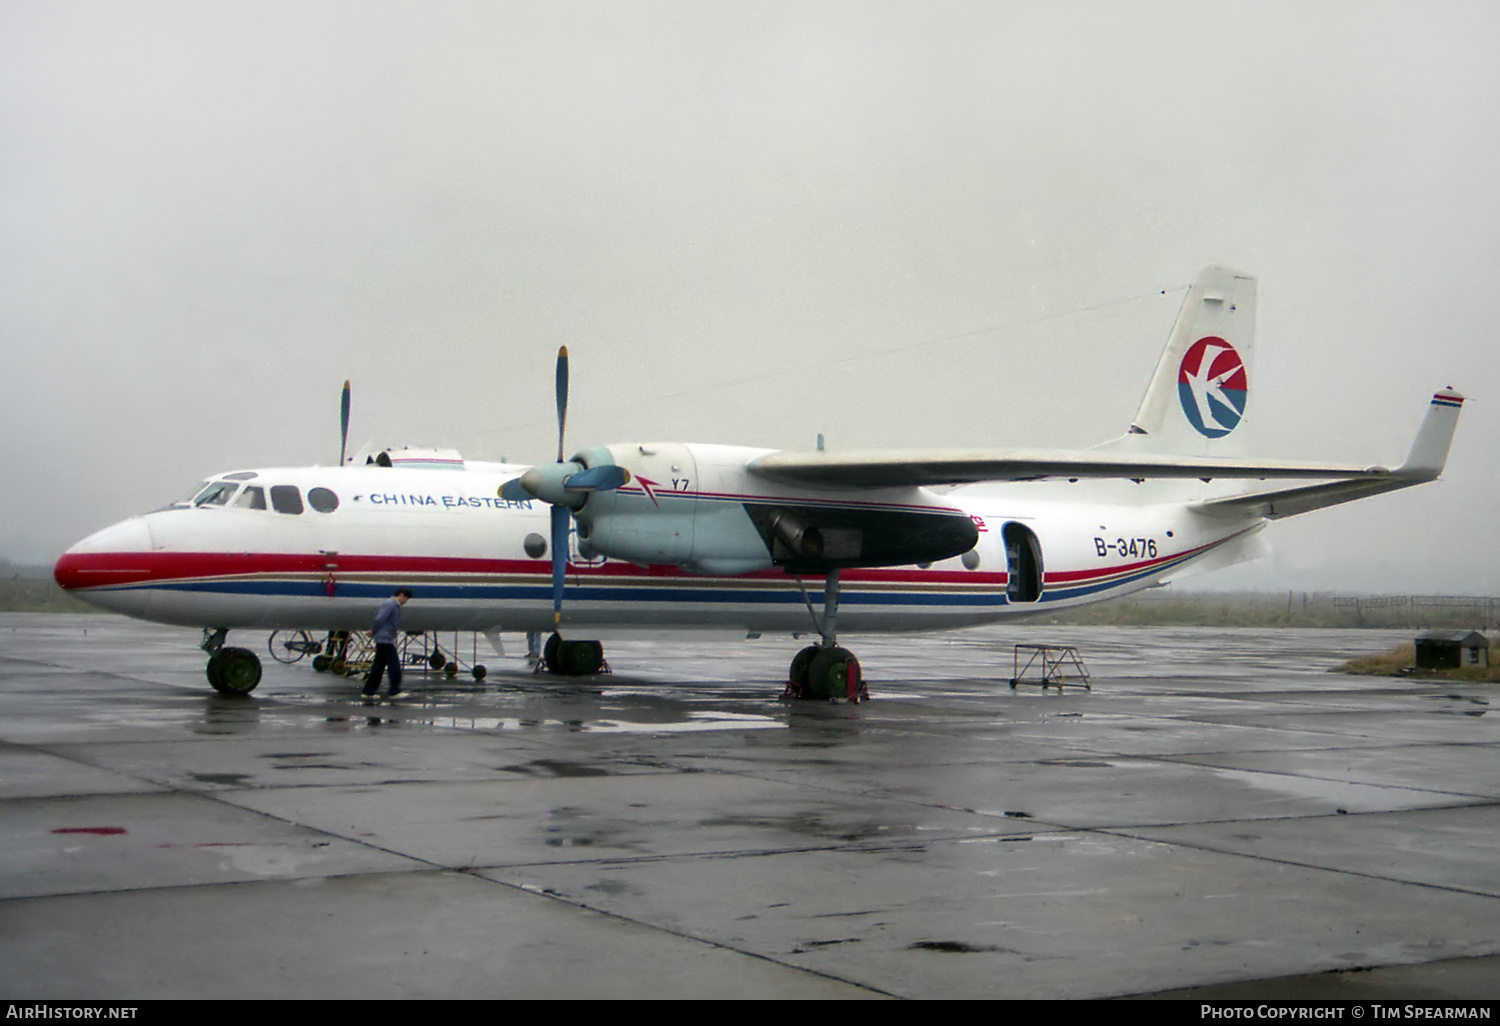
column 1387, row 664
column 1398, row 663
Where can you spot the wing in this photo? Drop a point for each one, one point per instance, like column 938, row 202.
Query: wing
column 878, row 468
column 896, row 467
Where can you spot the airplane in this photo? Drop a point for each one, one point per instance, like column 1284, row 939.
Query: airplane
column 673, row 534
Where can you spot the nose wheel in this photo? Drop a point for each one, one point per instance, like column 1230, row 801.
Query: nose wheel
column 231, row 671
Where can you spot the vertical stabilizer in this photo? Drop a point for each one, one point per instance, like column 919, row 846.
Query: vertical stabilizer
column 1197, row 401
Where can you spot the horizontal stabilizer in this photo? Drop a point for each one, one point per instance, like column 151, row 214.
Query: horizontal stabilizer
column 1425, row 462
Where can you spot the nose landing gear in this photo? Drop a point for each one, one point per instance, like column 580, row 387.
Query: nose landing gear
column 231, row 671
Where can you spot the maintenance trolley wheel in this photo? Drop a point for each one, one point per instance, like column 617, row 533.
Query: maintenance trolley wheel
column 233, row 671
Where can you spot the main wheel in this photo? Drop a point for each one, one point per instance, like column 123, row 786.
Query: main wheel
column 801, row 663
column 830, row 673
column 233, row 671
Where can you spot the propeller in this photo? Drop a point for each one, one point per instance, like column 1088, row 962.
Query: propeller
column 560, row 512
column 564, row 485
column 344, row 422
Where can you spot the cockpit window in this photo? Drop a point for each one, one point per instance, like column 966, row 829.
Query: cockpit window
column 217, row 493
column 322, row 500
column 253, row 497
column 187, row 500
column 286, row 499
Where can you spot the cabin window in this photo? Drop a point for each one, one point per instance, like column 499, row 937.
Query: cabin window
column 218, row 493
column 286, row 499
column 322, row 500
column 253, row 497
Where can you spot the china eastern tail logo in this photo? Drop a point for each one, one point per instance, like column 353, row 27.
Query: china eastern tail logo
column 1211, row 386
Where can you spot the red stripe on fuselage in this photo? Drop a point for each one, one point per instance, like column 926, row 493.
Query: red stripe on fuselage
column 107, row 569
column 76, row 570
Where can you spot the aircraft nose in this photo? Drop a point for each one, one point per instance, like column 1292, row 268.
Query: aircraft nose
column 105, row 557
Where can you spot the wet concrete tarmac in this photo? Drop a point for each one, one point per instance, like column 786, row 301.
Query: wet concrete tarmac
column 1218, row 817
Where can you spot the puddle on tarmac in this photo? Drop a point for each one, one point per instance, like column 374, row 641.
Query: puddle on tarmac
column 230, row 779
column 695, row 721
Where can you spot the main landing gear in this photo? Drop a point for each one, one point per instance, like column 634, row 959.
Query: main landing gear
column 825, row 671
column 231, row 671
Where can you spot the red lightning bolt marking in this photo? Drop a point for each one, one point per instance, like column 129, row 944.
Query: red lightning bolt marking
column 649, row 486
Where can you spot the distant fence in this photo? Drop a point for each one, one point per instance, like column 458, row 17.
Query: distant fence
column 1372, row 602
column 1477, row 607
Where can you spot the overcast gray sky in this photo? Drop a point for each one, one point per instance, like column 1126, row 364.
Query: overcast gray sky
column 896, row 223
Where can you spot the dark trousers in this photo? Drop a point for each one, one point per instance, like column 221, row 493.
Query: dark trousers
column 386, row 660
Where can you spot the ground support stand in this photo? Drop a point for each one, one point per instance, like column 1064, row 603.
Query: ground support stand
column 1050, row 661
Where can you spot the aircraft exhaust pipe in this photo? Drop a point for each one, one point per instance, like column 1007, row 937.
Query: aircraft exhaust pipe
column 797, row 534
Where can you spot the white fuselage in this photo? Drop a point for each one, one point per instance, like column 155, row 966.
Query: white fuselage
column 478, row 562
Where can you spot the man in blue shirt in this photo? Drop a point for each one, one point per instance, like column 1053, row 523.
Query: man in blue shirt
column 387, row 626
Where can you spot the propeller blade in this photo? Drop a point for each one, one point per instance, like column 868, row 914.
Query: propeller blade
column 344, row 422
column 604, row 478
column 560, row 518
column 562, row 398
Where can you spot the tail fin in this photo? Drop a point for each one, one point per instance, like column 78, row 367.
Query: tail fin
column 1196, row 402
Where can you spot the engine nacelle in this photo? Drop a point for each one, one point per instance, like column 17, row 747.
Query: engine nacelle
column 641, row 537
column 699, row 508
